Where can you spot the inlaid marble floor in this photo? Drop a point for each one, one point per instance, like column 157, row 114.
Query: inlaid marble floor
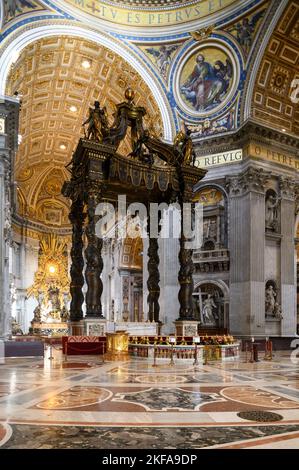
column 85, row 403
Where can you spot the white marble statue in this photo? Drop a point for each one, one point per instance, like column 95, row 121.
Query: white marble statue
column 207, row 311
column 270, row 301
column 271, row 212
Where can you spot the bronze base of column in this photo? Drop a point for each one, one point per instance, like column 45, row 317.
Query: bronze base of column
column 76, row 328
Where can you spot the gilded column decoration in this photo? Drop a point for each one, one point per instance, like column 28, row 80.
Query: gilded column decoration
column 94, row 260
column 77, row 280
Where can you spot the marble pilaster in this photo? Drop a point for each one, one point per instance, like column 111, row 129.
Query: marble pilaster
column 8, row 144
column 247, row 248
column 287, row 188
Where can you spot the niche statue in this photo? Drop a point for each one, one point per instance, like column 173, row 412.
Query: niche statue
column 207, row 311
column 272, row 307
column 271, row 211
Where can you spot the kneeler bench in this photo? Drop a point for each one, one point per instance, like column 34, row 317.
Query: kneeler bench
column 81, row 345
column 23, row 348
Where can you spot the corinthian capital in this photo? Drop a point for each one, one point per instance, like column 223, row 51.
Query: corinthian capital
column 253, row 179
column 288, row 188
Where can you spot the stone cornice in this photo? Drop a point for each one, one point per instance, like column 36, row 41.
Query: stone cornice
column 27, row 225
column 250, row 131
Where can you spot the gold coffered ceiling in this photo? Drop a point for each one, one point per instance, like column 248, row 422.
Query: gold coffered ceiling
column 56, row 91
column 272, row 102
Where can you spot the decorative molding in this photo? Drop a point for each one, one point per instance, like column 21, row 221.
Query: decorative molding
column 249, row 131
column 251, row 180
column 287, row 187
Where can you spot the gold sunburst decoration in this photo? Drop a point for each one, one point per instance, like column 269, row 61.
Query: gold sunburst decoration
column 52, row 273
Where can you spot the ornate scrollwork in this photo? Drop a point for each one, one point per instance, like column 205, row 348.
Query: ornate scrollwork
column 253, row 179
column 287, row 187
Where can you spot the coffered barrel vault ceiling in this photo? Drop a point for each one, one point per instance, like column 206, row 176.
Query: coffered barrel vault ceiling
column 280, row 66
column 56, row 92
column 252, row 48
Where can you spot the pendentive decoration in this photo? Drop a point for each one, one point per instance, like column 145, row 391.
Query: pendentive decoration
column 207, row 79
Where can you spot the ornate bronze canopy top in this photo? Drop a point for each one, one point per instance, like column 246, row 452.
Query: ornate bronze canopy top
column 144, row 147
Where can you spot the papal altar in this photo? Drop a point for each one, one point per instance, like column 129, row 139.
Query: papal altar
column 49, row 329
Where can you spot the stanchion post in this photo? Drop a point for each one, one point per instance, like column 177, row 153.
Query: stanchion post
column 171, row 356
column 50, row 347
column 205, row 352
column 270, row 350
column 251, row 353
column 155, row 357
column 103, row 352
column 266, row 357
column 65, row 351
column 196, row 340
column 172, row 340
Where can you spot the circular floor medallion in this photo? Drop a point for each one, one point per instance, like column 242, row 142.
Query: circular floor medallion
column 261, row 416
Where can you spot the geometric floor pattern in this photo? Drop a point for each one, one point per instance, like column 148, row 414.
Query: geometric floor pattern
column 85, row 403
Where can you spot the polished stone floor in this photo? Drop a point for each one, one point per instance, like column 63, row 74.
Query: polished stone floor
column 85, row 403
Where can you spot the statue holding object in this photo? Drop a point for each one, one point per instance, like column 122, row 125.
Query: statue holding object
column 144, row 146
column 97, row 123
column 184, row 146
column 271, row 211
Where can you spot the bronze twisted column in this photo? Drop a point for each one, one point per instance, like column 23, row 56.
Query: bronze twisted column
column 94, row 260
column 185, row 279
column 76, row 217
column 185, row 276
column 153, row 277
